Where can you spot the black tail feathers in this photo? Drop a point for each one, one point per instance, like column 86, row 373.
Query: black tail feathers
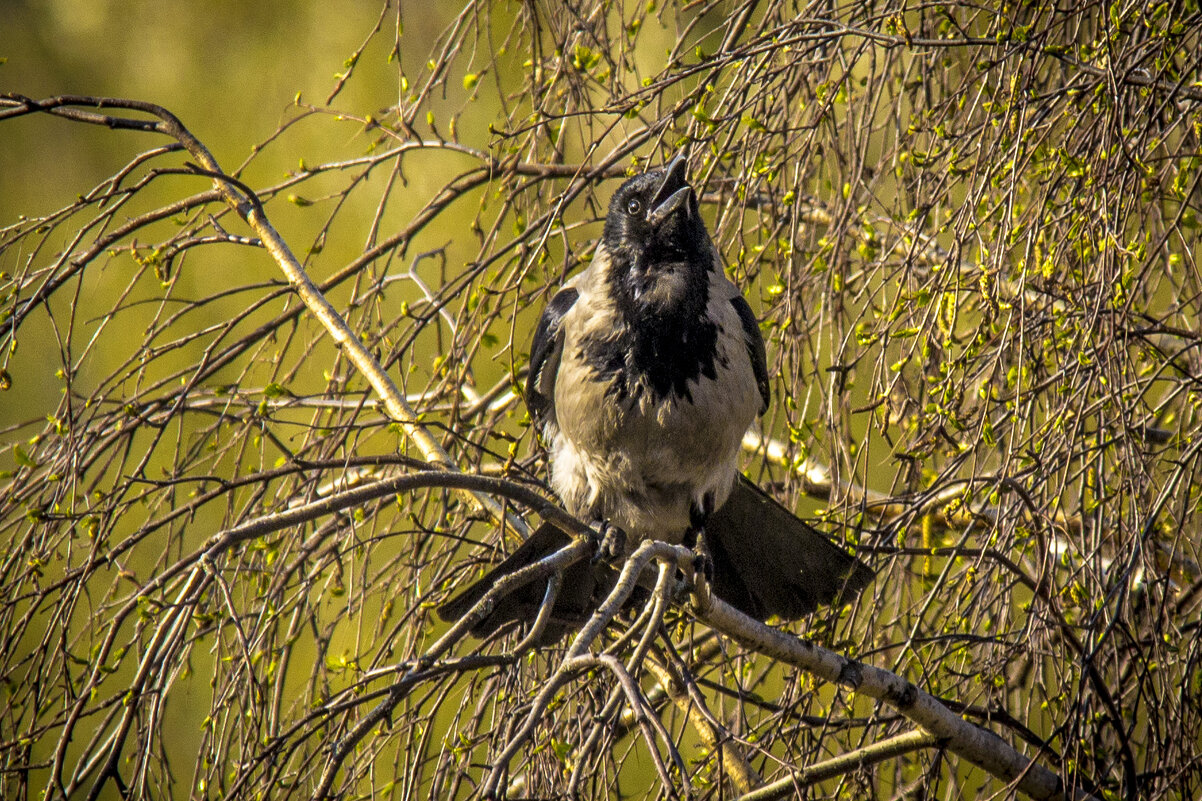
column 766, row 562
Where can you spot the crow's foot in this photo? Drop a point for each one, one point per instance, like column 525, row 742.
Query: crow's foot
column 611, row 541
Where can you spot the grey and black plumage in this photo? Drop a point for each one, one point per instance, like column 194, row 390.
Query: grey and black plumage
column 646, row 371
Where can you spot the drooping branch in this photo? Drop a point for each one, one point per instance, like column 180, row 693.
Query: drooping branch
column 246, row 204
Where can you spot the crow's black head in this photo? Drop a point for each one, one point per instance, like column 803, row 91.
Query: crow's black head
column 659, row 249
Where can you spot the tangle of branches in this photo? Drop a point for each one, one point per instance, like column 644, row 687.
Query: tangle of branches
column 289, row 422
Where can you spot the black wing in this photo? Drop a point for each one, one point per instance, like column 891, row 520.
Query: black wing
column 755, row 348
column 544, row 356
column 769, row 562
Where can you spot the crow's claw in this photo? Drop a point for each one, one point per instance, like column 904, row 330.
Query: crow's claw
column 703, row 567
column 703, row 578
column 611, row 541
column 703, row 570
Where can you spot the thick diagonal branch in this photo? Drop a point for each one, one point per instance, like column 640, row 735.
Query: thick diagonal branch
column 979, row 746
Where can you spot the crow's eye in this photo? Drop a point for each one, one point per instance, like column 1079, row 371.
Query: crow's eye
column 633, row 206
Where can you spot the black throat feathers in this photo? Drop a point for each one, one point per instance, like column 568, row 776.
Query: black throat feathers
column 655, row 347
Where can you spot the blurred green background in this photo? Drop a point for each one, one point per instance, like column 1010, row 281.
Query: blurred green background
column 228, row 70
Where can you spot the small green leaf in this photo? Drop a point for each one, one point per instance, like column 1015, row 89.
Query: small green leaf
column 22, row 457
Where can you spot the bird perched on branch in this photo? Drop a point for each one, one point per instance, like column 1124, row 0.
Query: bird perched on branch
column 646, row 370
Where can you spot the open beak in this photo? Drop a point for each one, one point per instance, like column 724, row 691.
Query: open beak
column 674, row 193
